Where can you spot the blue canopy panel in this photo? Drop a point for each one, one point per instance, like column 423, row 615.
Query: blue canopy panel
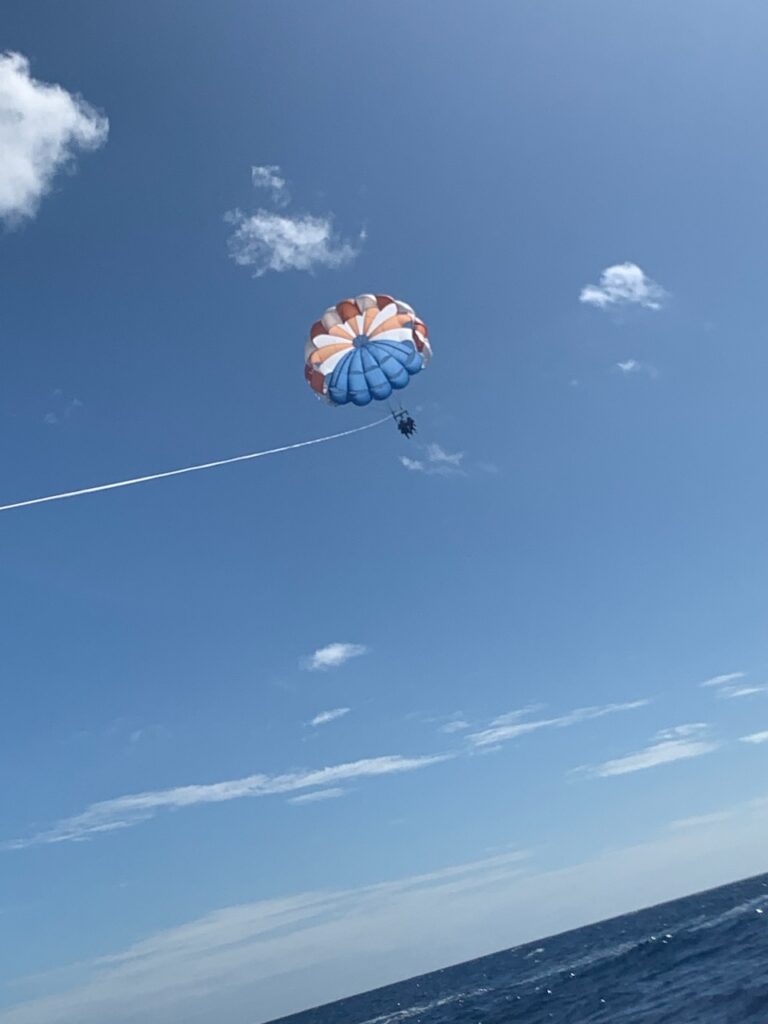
column 373, row 371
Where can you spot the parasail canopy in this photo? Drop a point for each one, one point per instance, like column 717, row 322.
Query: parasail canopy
column 363, row 349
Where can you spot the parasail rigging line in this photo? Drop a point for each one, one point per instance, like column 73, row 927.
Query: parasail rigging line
column 190, row 469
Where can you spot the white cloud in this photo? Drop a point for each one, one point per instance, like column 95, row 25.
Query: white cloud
column 329, row 716
column 632, row 367
column 731, row 692
column 723, row 679
column 126, row 811
column 436, row 461
column 701, row 820
column 457, row 725
column 332, row 656
column 514, row 724
column 65, row 408
column 268, row 241
column 757, row 806
column 42, row 127
column 509, row 717
column 318, row 796
column 677, row 744
column 755, row 737
column 677, row 732
column 726, row 690
column 270, row 177
column 286, row 954
column 439, row 456
column 281, row 949
column 621, row 285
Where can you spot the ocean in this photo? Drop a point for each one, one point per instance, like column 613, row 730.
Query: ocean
column 701, row 959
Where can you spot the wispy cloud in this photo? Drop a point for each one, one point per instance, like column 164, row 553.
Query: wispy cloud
column 270, row 177
column 630, row 366
column 286, row 954
column 732, row 692
column 42, row 128
column 436, row 461
column 127, row 811
column 439, row 456
column 727, row 686
column 269, row 241
column 329, row 716
column 755, row 737
column 679, row 743
column 722, row 680
column 332, row 656
column 755, row 808
column 682, row 731
column 633, row 367
column 516, row 723
column 457, row 725
column 700, row 820
column 623, row 284
column 63, row 408
column 318, row 796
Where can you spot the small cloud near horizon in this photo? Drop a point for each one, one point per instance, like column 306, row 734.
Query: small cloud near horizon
column 700, row 820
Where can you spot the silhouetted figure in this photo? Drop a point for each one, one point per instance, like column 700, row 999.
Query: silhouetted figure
column 405, row 424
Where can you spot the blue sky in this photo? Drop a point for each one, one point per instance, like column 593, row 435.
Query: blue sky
column 500, row 628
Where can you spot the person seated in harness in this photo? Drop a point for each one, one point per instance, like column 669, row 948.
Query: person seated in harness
column 405, row 424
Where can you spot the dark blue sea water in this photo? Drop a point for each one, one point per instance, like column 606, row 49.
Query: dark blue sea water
column 701, row 959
